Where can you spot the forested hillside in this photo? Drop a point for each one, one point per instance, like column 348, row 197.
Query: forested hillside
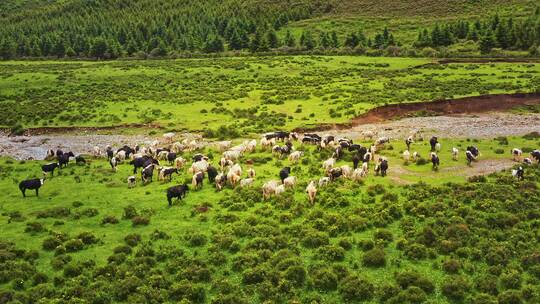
column 108, row 29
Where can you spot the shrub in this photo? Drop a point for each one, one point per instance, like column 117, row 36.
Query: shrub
column 412, row 294
column 510, row 297
column 130, row 212
column 416, row 251
column 384, row 236
column 72, row 270
column 253, row 276
column 39, row 278
column 185, row 290
column 296, row 275
column 412, row 278
column 354, row 288
column 345, row 244
column 17, row 129
column 90, row 212
column 499, row 151
column 58, row 262
column 159, row 235
column 331, row 253
column 87, row 238
column 57, row 212
column 511, row 280
column 324, row 279
column 74, row 245
column 455, row 288
column 132, row 239
column 387, row 291
column 487, row 284
column 109, row 219
column 315, row 239
column 195, row 239
column 34, row 227
column 451, row 266
column 482, row 298
column 374, row 258
column 50, row 243
column 140, row 221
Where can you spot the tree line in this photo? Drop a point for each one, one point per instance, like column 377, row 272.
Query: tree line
column 490, row 33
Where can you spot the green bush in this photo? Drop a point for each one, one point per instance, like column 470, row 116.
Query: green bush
column 374, row 258
column 324, row 279
column 87, row 238
column 511, row 280
column 140, row 221
column 451, row 266
column 74, row 245
column 315, row 239
column 331, row 253
column 354, row 288
column 109, row 219
column 34, row 227
column 455, row 288
column 412, row 278
column 510, row 297
column 50, row 243
column 132, row 239
column 195, row 239
column 130, row 212
column 72, row 270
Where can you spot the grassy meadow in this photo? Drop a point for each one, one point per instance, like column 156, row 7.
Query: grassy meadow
column 441, row 239
column 246, row 95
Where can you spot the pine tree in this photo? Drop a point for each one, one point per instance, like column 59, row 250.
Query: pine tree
column 272, row 38
column 334, row 42
column 306, row 40
column 289, row 39
column 324, row 40
column 436, row 36
column 255, row 42
column 501, row 34
column 236, row 41
column 59, row 49
column 487, row 42
column 98, row 48
column 7, row 49
column 351, row 40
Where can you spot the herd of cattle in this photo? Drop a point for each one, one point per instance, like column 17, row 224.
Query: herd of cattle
column 229, row 170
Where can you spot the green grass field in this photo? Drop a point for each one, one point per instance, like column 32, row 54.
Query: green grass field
column 250, row 95
column 433, row 241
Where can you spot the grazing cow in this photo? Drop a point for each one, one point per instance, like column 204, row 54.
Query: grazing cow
column 355, row 160
column 121, row 155
column 232, row 155
column 367, row 157
column 163, row 155
column 279, row 190
column 224, row 162
column 32, row 184
column 519, row 173
column 311, row 191
column 284, row 173
column 287, row 149
column 269, row 188
column 281, row 135
column 295, row 156
column 132, row 181
column 246, row 182
column 435, row 160
column 251, row 173
column 527, row 161
column 313, row 135
column 179, row 162
column 168, row 137
column 346, row 171
column 368, row 134
column 109, row 152
column 470, row 157
column 406, row 155
column 236, row 169
column 355, row 147
column 329, row 164
column 324, row 181
column 224, row 145
column 357, row 174
column 220, row 180
column 433, row 143
column 290, row 181
column 233, row 177
column 383, row 166
column 171, row 156
column 327, row 139
column 147, row 173
column 177, row 147
column 455, row 153
column 267, row 143
column 335, row 173
column 516, row 154
column 199, row 166
column 166, row 173
column 536, row 155
column 338, row 153
column 59, row 152
column 408, row 142
column 382, row 140
column 127, row 151
column 438, row 147
column 49, row 168
column 178, row 192
column 197, row 180
column 143, row 162
column 365, row 169
column 79, row 159
column 251, row 146
column 114, row 162
column 307, row 139
column 63, row 159
column 212, row 173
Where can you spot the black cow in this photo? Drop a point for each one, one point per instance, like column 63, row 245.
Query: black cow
column 197, row 180
column 408, row 142
column 433, row 142
column 32, row 184
column 79, row 159
column 313, row 135
column 284, row 173
column 171, row 156
column 178, row 192
column 220, row 183
column 383, row 166
column 127, row 149
column 212, row 173
column 435, row 161
column 311, row 140
column 59, row 152
column 335, row 173
column 114, row 162
column 147, row 173
column 520, row 173
column 474, row 150
column 49, row 168
column 63, row 160
column 328, row 139
column 355, row 147
column 142, row 162
column 356, row 160
column 110, row 153
column 281, row 135
column 470, row 157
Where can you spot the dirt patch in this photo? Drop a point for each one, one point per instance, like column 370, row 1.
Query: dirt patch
column 83, row 130
column 467, row 105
